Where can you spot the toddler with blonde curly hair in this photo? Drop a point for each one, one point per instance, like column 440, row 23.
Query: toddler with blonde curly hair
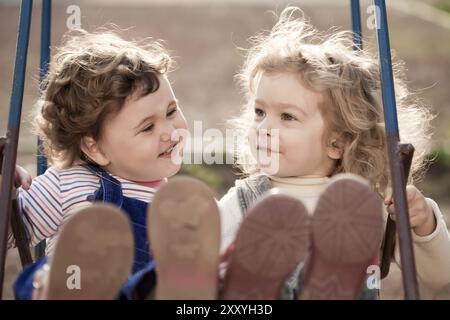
column 315, row 128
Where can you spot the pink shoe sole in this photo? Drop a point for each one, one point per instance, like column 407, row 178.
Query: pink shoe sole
column 184, row 233
column 272, row 240
column 93, row 256
column 346, row 232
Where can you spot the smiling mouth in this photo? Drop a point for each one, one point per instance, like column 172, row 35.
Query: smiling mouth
column 169, row 150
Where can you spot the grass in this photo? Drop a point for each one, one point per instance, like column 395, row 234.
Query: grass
column 443, row 5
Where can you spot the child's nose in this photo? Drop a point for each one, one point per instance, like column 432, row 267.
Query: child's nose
column 167, row 131
column 165, row 136
column 265, row 127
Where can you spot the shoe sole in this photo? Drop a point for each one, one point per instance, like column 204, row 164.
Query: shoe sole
column 93, row 256
column 272, row 240
column 346, row 232
column 184, row 233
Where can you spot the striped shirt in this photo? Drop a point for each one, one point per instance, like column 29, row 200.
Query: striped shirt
column 57, row 194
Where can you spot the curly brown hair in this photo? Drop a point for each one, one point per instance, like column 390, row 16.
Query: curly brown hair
column 350, row 84
column 89, row 79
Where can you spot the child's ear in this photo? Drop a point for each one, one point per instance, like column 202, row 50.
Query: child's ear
column 335, row 146
column 92, row 150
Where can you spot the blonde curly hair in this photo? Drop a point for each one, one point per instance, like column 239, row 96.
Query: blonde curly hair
column 350, row 83
column 90, row 77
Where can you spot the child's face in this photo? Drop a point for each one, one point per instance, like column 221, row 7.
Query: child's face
column 282, row 102
column 134, row 141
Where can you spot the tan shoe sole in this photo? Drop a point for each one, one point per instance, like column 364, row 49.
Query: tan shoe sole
column 184, row 233
column 93, row 256
column 272, row 240
column 346, row 232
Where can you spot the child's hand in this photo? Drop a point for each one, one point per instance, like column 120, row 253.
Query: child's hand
column 22, row 179
column 421, row 216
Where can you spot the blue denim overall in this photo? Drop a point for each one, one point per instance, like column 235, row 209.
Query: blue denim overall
column 143, row 277
column 110, row 191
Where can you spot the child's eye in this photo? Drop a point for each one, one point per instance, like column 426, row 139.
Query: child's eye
column 287, row 116
column 259, row 113
column 172, row 112
column 148, row 128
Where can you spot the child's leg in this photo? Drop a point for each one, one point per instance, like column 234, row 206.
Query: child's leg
column 272, row 240
column 93, row 255
column 346, row 232
column 184, row 234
